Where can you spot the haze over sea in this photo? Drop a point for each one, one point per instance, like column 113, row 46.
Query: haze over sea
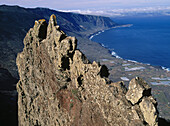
column 146, row 41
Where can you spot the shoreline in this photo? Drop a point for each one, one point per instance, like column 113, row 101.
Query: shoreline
column 114, row 54
column 101, row 31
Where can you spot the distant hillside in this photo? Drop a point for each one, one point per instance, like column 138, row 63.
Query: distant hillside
column 15, row 22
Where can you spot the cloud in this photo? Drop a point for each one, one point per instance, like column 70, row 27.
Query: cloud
column 84, row 4
column 120, row 12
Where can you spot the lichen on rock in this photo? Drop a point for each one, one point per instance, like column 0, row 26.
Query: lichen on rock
column 59, row 86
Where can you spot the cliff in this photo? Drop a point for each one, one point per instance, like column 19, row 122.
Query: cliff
column 19, row 20
column 15, row 21
column 59, row 86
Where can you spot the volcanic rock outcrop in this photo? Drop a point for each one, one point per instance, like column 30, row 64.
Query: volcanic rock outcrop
column 59, row 86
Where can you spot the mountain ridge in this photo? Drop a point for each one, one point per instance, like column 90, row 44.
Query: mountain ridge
column 23, row 18
column 15, row 21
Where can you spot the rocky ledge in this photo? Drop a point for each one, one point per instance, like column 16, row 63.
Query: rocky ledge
column 59, row 86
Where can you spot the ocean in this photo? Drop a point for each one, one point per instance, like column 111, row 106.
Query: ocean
column 146, row 40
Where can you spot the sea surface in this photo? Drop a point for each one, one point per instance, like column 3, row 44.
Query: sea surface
column 147, row 40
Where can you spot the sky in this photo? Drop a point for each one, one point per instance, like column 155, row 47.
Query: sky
column 86, row 4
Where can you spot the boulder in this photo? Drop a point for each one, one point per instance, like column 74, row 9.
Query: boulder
column 137, row 89
column 148, row 108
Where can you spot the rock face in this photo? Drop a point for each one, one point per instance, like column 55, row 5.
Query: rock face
column 137, row 89
column 59, row 86
column 140, row 92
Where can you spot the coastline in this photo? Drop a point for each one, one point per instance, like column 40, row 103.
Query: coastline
column 99, row 32
column 114, row 54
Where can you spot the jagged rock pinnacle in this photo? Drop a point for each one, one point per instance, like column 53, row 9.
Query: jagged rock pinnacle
column 59, row 86
column 40, row 29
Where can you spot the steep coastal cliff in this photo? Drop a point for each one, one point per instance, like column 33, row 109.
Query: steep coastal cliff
column 19, row 20
column 59, row 86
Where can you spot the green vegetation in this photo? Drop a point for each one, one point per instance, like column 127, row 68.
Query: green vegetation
column 75, row 92
column 71, row 105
